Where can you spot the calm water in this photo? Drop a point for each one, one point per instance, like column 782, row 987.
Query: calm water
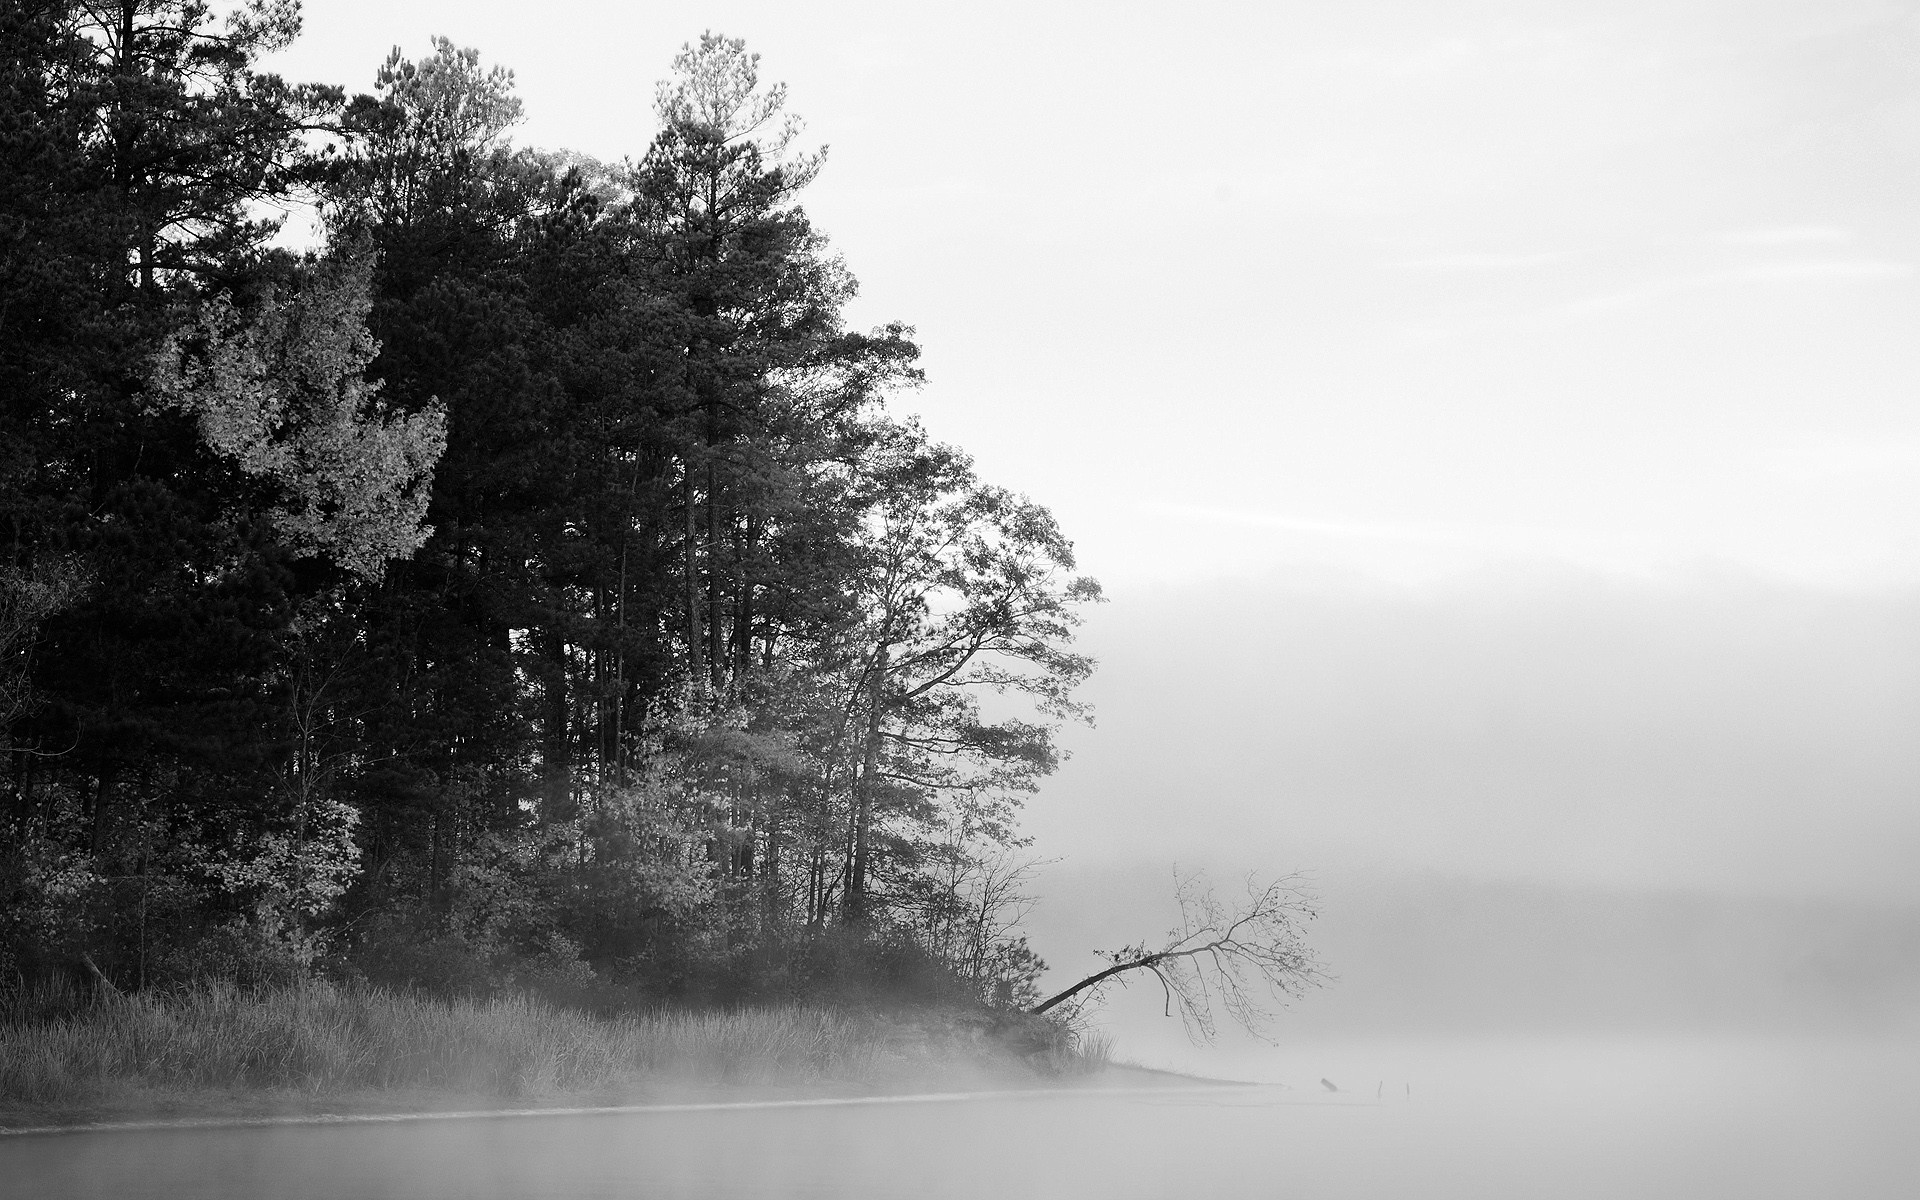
column 1554, row 1119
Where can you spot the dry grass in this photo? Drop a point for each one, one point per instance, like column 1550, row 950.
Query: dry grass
column 320, row 1040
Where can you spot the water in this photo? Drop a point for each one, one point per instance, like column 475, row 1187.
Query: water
column 1566, row 1119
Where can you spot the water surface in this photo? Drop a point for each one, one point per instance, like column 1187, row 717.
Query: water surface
column 1489, row 1119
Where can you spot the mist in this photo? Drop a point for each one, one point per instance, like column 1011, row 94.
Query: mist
column 1533, row 798
column 1493, row 428
column 1703, row 731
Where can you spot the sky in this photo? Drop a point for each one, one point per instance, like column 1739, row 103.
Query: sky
column 1494, row 423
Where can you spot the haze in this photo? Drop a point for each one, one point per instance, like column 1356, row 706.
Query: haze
column 1494, row 422
column 1495, row 426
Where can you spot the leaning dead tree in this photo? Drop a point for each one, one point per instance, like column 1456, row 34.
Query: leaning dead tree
column 1236, row 957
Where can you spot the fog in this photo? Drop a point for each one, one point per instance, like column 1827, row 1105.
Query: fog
column 1535, row 800
column 1433, row 956
column 1614, row 867
column 1690, row 1120
column 1613, row 898
column 1702, row 730
column 1507, row 507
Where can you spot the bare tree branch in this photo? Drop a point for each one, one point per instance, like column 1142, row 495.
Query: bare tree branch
column 1239, row 957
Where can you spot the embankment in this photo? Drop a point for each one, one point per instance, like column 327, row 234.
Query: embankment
column 214, row 1051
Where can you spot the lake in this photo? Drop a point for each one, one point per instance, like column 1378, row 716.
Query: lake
column 1487, row 1119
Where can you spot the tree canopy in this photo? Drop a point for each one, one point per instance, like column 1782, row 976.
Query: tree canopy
column 526, row 584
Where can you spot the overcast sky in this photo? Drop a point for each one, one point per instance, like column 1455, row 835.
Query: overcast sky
column 1495, row 422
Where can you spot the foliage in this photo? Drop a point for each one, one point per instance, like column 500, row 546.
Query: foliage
column 527, row 588
column 57, row 1048
column 28, row 597
column 281, row 394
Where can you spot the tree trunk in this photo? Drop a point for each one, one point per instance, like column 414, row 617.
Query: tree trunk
column 557, row 769
column 716, row 632
column 743, row 600
column 857, row 900
column 696, row 660
column 770, row 866
column 102, row 811
column 1089, row 981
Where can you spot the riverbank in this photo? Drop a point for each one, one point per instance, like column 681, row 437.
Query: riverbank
column 213, row 1053
column 1115, row 1079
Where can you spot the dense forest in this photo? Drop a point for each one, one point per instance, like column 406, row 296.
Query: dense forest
column 520, row 582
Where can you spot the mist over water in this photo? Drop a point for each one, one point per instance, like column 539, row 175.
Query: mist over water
column 1490, row 1037
column 1480, row 1041
column 1693, row 1119
column 1615, row 875
column 1644, row 976
column 1519, row 539
column 1414, row 954
column 1710, row 731
column 1487, row 1041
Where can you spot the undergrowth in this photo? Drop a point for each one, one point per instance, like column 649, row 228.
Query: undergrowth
column 320, row 1039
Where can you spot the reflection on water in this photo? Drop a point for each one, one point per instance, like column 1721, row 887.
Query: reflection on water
column 1487, row 1120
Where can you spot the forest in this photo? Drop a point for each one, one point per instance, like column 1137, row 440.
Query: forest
column 442, row 563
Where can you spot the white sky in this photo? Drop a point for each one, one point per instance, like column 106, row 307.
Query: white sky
column 1389, row 284
column 1438, row 296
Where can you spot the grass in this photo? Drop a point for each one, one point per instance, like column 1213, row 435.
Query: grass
column 318, row 1041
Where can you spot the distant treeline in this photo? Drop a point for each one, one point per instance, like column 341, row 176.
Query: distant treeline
column 526, row 586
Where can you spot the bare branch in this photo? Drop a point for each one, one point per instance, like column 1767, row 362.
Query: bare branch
column 1226, row 954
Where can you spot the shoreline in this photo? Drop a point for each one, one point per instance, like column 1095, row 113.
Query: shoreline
column 324, row 1054
column 366, row 1108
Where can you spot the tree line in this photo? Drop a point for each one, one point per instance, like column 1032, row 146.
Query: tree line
column 527, row 584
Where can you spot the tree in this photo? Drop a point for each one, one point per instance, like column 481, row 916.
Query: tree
column 755, row 297
column 26, row 599
column 967, row 907
column 959, row 587
column 1220, row 954
column 461, row 226
column 425, row 141
column 281, row 393
column 186, row 135
column 534, row 567
column 140, row 152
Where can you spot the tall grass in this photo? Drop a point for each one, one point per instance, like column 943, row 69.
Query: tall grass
column 319, row 1039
